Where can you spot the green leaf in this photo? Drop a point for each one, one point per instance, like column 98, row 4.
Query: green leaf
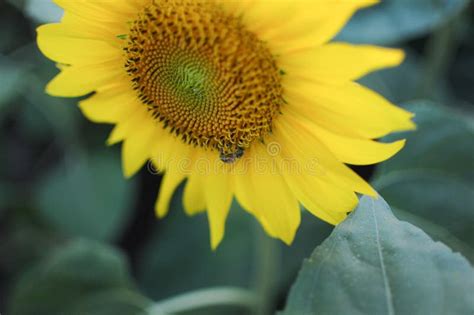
column 87, row 196
column 82, row 278
column 393, row 21
column 430, row 183
column 17, row 248
column 311, row 233
column 375, row 264
column 112, row 302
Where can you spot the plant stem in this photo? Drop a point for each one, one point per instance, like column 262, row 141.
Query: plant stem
column 204, row 298
column 268, row 264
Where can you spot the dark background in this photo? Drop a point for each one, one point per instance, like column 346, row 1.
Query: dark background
column 65, row 203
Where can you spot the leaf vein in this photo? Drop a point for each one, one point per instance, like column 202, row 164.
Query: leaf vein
column 388, row 291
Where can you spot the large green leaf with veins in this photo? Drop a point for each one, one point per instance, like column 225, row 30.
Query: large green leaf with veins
column 375, row 264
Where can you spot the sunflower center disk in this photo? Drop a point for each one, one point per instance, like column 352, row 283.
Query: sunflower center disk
column 208, row 79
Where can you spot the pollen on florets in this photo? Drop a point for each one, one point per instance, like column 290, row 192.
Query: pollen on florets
column 209, row 80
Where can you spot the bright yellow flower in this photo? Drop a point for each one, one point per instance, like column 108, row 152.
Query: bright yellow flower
column 244, row 99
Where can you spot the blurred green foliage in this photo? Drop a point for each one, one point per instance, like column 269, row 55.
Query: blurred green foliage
column 83, row 277
column 77, row 238
column 431, row 182
column 395, row 21
column 78, row 187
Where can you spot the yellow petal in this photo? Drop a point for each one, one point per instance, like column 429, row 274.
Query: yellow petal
column 126, row 126
column 274, row 200
column 308, row 181
column 110, row 105
column 169, row 183
column 194, row 195
column 145, row 139
column 291, row 25
column 116, row 10
column 352, row 150
column 218, row 194
column 308, row 150
column 245, row 195
column 321, row 197
column 348, row 109
column 339, row 61
column 55, row 43
column 84, row 27
column 274, row 206
column 103, row 20
column 77, row 81
column 171, row 153
column 136, row 148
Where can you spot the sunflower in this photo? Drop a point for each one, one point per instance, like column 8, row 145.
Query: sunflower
column 243, row 99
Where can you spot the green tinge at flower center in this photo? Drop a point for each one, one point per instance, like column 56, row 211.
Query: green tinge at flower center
column 191, row 82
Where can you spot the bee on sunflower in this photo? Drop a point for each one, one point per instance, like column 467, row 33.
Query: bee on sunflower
column 213, row 83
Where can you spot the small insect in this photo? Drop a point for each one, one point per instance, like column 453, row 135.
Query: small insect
column 230, row 158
